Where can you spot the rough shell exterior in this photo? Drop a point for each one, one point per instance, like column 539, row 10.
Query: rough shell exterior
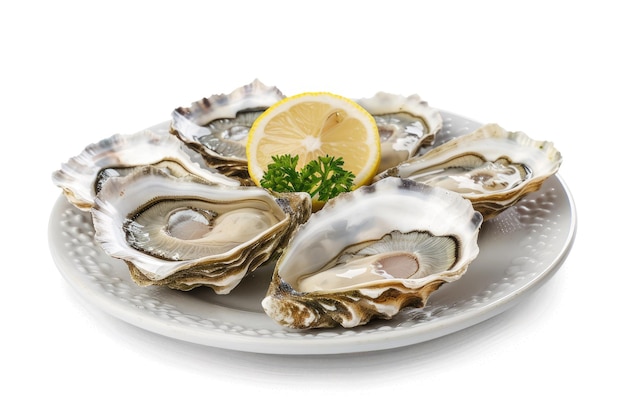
column 405, row 124
column 166, row 228
column 82, row 176
column 491, row 167
column 433, row 227
column 217, row 126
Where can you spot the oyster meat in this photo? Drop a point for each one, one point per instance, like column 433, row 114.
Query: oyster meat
column 218, row 126
column 179, row 233
column 405, row 124
column 371, row 252
column 491, row 167
column 82, row 176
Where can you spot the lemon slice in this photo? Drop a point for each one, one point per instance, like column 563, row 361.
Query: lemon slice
column 311, row 125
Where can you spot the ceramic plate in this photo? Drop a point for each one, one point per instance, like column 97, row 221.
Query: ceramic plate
column 519, row 250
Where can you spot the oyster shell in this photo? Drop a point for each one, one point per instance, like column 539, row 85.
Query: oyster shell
column 491, row 167
column 405, row 124
column 82, row 176
column 218, row 126
column 371, row 252
column 182, row 234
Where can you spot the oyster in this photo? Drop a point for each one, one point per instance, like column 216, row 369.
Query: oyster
column 371, row 252
column 182, row 234
column 404, row 123
column 82, row 176
column 491, row 167
column 218, row 126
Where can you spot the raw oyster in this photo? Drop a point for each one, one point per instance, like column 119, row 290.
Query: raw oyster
column 83, row 175
column 491, row 167
column 182, row 234
column 404, row 123
column 218, row 126
column 371, row 252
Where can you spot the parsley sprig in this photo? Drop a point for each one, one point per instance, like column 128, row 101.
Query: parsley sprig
column 323, row 178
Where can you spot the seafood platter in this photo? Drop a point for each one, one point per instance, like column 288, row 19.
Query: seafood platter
column 169, row 216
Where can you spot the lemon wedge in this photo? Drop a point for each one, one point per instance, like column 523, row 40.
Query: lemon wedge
column 312, row 125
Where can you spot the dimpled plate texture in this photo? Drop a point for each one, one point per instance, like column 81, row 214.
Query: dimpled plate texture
column 519, row 250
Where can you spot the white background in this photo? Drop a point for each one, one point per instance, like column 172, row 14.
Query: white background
column 76, row 72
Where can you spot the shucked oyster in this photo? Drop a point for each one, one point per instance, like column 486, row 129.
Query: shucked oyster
column 405, row 124
column 218, row 126
column 491, row 167
column 82, row 176
column 371, row 252
column 183, row 234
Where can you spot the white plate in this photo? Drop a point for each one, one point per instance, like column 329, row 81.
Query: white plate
column 519, row 250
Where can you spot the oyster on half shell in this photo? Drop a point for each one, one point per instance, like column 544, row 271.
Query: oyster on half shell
column 491, row 167
column 405, row 124
column 217, row 127
column 182, row 234
column 82, row 176
column 371, row 252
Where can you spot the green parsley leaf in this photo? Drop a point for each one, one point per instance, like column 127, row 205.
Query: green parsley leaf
column 323, row 178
